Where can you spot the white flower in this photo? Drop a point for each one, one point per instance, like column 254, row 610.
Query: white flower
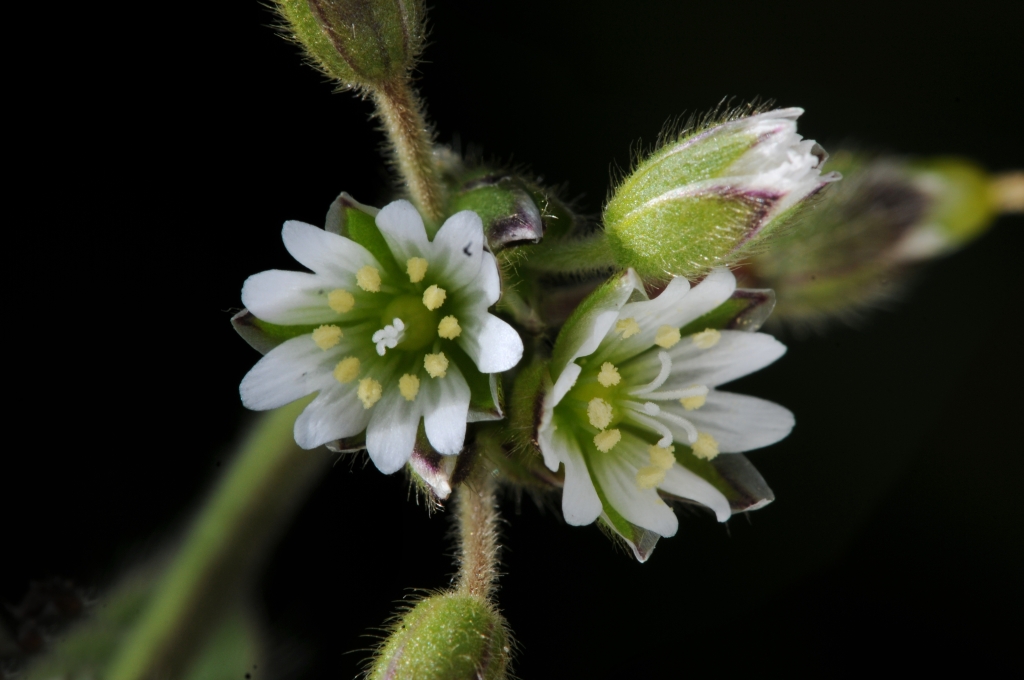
column 385, row 341
column 632, row 398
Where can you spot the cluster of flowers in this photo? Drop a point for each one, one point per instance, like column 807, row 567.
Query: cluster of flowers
column 391, row 330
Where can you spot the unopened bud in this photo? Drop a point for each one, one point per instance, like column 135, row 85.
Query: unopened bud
column 711, row 196
column 503, row 202
column 445, row 637
column 362, row 43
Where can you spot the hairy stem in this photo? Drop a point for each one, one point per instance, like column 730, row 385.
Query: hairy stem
column 402, row 115
column 477, row 517
column 221, row 553
column 567, row 256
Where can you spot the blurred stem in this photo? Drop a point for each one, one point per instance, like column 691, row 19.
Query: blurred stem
column 222, row 551
column 402, row 115
column 565, row 256
column 478, row 534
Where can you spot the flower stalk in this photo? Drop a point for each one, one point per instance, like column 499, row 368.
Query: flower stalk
column 477, row 518
column 401, row 113
column 223, row 549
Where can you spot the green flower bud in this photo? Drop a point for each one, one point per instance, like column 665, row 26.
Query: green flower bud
column 362, row 43
column 445, row 637
column 508, row 212
column 711, row 196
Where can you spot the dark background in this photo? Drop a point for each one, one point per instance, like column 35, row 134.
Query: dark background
column 896, row 540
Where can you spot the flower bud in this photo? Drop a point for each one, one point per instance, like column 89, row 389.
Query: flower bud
column 710, row 197
column 445, row 637
column 362, row 43
column 508, row 212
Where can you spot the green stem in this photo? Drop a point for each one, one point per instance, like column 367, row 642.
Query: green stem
column 478, row 534
column 568, row 256
column 223, row 550
column 402, row 115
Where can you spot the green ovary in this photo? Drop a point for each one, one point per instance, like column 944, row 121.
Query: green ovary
column 420, row 322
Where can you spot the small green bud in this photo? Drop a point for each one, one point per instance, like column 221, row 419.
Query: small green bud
column 362, row 43
column 508, row 212
column 445, row 637
column 711, row 196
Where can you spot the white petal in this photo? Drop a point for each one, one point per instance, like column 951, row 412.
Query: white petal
column 391, row 433
column 677, row 306
column 288, row 298
column 446, row 408
column 402, row 228
column 580, row 502
column 738, row 422
column 291, row 370
column 490, row 281
column 616, row 474
column 564, row 383
column 493, row 345
column 685, row 484
column 458, row 249
column 735, row 355
column 334, row 414
column 325, row 253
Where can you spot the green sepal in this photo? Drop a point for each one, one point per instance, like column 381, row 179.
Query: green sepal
column 579, row 328
column 447, row 636
column 746, row 310
column 351, row 219
column 732, row 474
column 508, row 212
column 264, row 336
column 641, row 541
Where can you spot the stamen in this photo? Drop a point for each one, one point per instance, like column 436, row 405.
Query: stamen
column 368, row 278
column 691, row 431
column 433, row 297
column 340, row 300
column 628, row 327
column 649, row 477
column 409, row 386
column 705, row 447
column 662, row 458
column 693, row 403
column 369, row 392
column 416, row 268
column 666, row 369
column 449, row 328
column 667, row 336
column 436, row 364
column 604, row 441
column 327, row 337
column 609, row 375
column 347, row 370
column 600, row 413
column 389, row 336
column 691, row 391
column 707, row 338
column 657, row 426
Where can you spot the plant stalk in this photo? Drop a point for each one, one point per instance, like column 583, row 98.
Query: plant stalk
column 223, row 550
column 477, row 517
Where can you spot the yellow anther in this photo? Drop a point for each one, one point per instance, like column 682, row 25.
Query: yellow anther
column 707, row 338
column 341, row 300
column 604, row 441
column 667, row 336
column 705, row 447
column 433, row 297
column 661, row 457
column 347, row 370
column 369, row 392
column 436, row 364
column 693, row 403
column 409, row 386
column 327, row 337
column 600, row 413
column 368, row 278
column 649, row 477
column 416, row 268
column 449, row 328
column 628, row 327
column 609, row 375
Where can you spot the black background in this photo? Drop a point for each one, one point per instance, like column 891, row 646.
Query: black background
column 159, row 179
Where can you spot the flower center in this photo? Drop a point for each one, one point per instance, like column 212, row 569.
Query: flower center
column 419, row 323
column 389, row 336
